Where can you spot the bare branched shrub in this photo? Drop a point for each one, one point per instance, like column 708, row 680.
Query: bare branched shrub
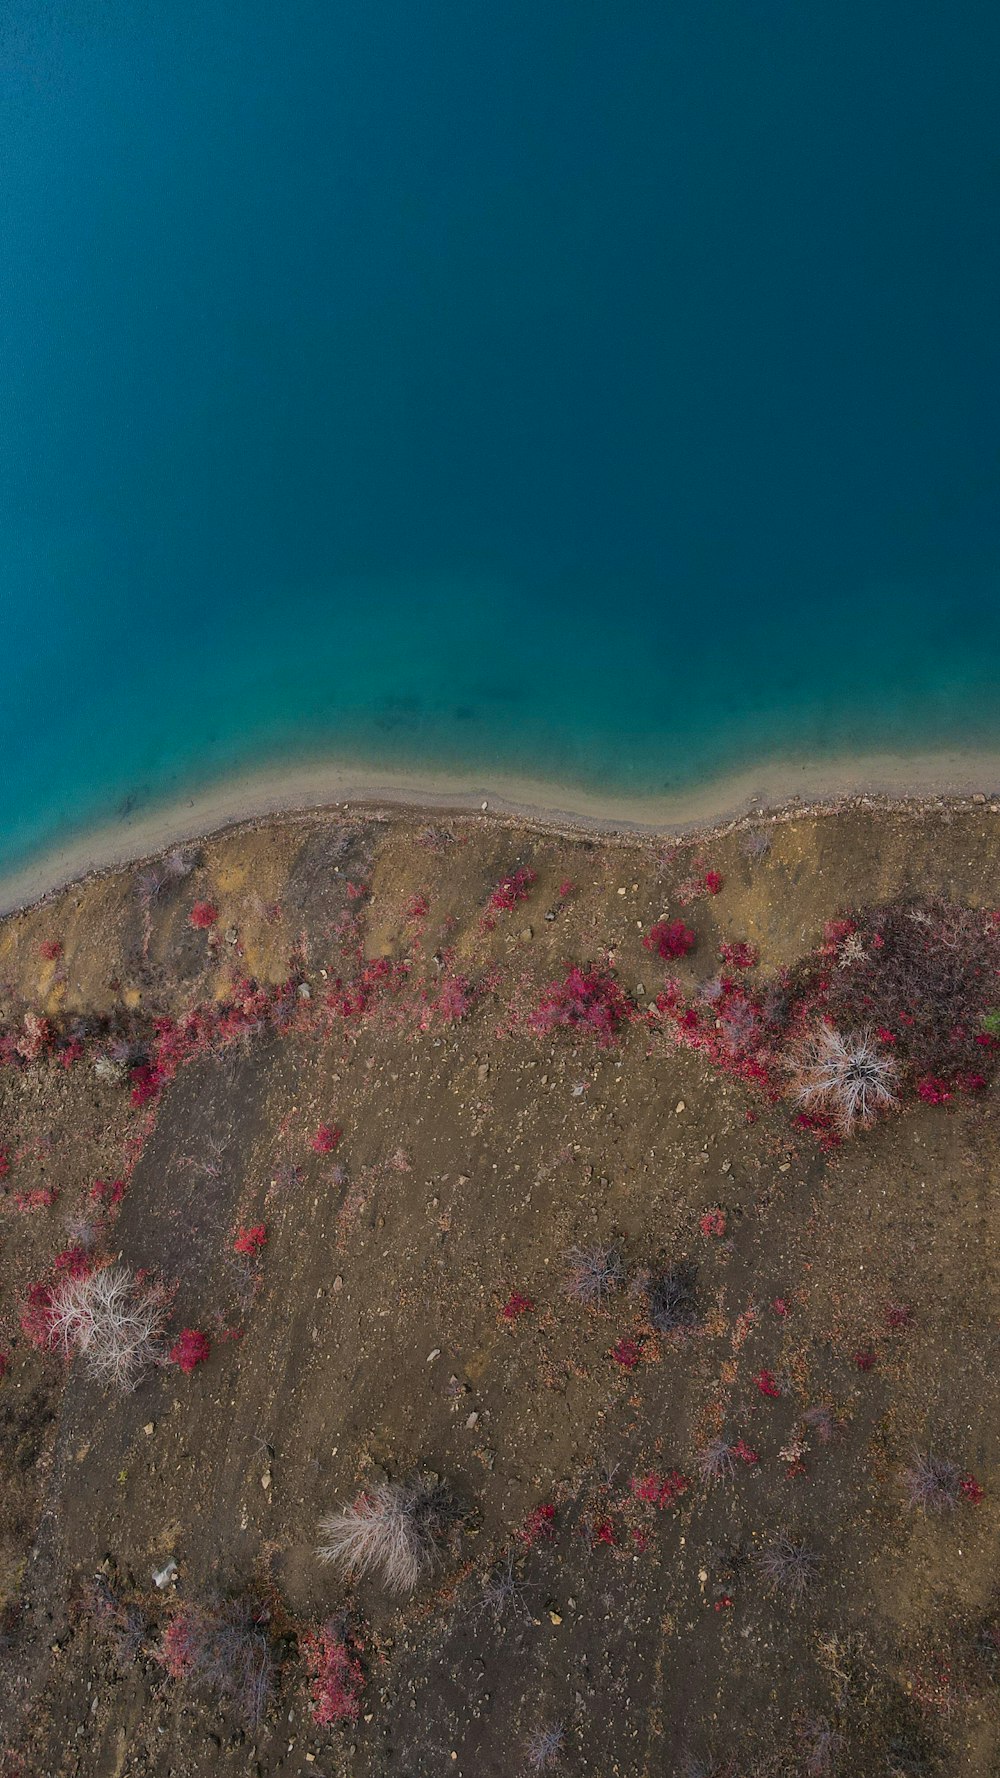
column 822, row 1744
column 593, row 1273
column 672, row 1298
column 716, row 1461
column 504, row 1595
column 119, row 1622
column 932, row 1484
column 756, row 843
column 114, row 1320
column 788, row 1567
column 226, row 1650
column 846, row 1076
column 543, row 1747
column 822, row 1421
column 393, row 1530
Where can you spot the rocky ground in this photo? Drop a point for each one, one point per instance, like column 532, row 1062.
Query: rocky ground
column 366, row 1084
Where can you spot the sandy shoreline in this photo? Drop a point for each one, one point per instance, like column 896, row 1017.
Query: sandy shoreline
column 303, row 790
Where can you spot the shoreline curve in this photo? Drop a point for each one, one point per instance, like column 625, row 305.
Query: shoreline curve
column 775, row 788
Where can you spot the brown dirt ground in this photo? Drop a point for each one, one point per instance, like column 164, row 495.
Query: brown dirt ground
column 366, row 1340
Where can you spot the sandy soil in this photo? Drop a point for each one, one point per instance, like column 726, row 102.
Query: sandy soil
column 367, row 1340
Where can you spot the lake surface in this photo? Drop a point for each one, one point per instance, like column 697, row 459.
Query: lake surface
column 602, row 393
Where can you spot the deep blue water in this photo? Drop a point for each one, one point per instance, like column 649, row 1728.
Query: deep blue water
column 603, row 391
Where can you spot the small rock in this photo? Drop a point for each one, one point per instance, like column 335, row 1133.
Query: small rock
column 163, row 1577
column 979, row 797
column 338, row 1282
column 727, row 1166
column 149, row 1428
column 554, row 1617
column 432, row 1355
column 265, row 1480
column 472, row 1421
column 304, row 991
column 526, row 932
column 679, row 1106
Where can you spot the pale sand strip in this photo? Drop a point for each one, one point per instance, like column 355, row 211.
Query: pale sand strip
column 774, row 785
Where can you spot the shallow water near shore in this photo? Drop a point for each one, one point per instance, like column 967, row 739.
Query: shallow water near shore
column 603, row 401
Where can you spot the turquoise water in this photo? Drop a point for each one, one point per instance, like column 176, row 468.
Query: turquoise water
column 602, row 392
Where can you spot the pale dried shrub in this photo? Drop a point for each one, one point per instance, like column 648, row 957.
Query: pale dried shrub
column 393, row 1530
column 114, row 1319
column 846, row 1076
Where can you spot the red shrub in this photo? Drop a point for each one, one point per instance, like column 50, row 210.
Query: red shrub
column 203, row 915
column 108, row 1192
column 713, row 1223
column 250, row 1241
column 179, row 1649
column 517, row 1304
column 742, row 1450
column 36, row 1316
column 146, row 1083
column 659, row 1490
column 539, row 1524
column 190, row 1349
column 417, row 907
column 864, row 1361
column 335, row 1676
column 4, row 1363
column 669, row 938
column 454, row 999
column 4, row 1163
column 932, row 1091
column 40, row 1197
column 739, row 955
column 326, row 1138
column 585, row 1000
column 50, row 949
column 626, row 1353
column 74, row 1261
column 713, row 882
column 766, row 1384
column 971, row 1490
column 510, row 890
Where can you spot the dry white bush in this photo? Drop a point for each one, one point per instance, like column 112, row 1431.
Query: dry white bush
column 845, row 1075
column 393, row 1530
column 114, row 1320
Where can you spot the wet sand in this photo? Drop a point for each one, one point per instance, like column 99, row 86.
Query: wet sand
column 781, row 786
